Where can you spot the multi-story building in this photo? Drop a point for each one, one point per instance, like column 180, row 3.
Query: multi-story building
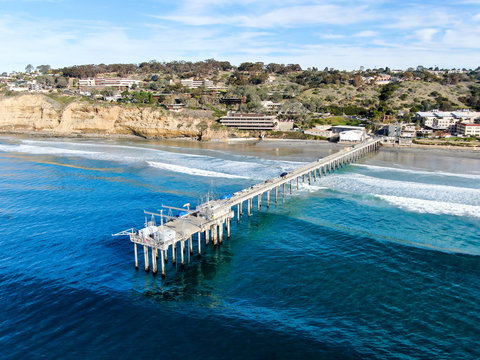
column 446, row 120
column 193, row 84
column 468, row 129
column 250, row 121
column 101, row 83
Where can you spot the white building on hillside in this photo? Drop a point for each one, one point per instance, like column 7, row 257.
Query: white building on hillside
column 270, row 105
column 101, row 83
column 193, row 84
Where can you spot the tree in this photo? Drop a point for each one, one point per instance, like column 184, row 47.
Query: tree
column 357, row 80
column 29, row 68
column 108, row 91
column 44, row 69
column 44, row 80
column 61, row 82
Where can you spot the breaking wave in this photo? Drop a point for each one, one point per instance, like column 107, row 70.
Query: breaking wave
column 230, row 166
column 413, row 171
column 432, row 207
column 370, row 185
column 43, row 150
column 193, row 171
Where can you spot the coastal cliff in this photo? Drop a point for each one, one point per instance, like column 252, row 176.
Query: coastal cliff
column 44, row 115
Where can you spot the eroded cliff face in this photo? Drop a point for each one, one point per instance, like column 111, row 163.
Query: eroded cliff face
column 38, row 113
column 29, row 113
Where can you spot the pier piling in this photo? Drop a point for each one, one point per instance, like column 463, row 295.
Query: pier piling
column 199, row 243
column 136, row 255
column 145, row 255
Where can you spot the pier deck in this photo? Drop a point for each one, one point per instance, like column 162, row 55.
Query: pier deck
column 210, row 217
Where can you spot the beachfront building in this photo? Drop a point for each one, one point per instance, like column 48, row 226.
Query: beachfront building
column 337, row 129
column 446, row 120
column 250, row 121
column 468, row 129
column 320, row 130
column 352, row 136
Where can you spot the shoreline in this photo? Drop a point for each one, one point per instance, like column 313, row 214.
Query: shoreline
column 95, row 136
column 438, row 147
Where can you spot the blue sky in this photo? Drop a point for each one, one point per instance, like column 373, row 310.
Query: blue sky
column 341, row 34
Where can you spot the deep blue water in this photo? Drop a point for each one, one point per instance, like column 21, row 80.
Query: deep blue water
column 380, row 260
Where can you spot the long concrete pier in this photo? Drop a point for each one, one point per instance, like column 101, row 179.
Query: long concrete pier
column 209, row 221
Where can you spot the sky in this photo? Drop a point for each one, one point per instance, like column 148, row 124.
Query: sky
column 338, row 34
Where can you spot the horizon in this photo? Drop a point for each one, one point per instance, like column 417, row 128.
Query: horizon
column 343, row 35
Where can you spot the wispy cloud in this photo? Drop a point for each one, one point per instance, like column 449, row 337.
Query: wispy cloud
column 426, row 35
column 291, row 16
column 366, row 33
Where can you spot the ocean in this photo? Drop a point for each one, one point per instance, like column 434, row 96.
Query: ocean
column 380, row 260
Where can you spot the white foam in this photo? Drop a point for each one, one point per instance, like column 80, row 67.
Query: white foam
column 193, row 171
column 309, row 188
column 432, row 207
column 229, row 164
column 369, row 185
column 43, row 150
column 414, row 171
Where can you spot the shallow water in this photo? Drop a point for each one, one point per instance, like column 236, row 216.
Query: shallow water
column 379, row 260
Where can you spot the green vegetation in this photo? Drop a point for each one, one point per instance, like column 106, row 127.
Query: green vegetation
column 305, row 95
column 62, row 99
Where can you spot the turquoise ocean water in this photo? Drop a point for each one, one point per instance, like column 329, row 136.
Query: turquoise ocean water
column 380, row 260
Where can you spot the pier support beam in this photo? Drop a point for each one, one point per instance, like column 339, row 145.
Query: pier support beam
column 174, row 253
column 229, row 225
column 283, row 190
column 165, row 255
column 154, row 261
column 191, row 245
column 207, row 237
column 315, row 175
column 136, row 255
column 238, row 213
column 309, row 178
column 199, row 243
column 214, row 234
column 145, row 255
column 182, row 251
column 220, row 232
column 249, row 206
column 259, row 201
column 268, row 198
column 162, row 256
column 276, row 195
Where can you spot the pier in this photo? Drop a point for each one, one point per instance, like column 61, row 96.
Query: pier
column 211, row 221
